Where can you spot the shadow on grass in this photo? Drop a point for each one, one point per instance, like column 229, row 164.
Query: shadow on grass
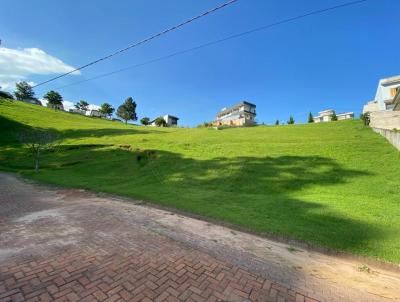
column 10, row 129
column 258, row 193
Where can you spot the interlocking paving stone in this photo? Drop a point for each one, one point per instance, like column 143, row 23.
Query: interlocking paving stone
column 74, row 249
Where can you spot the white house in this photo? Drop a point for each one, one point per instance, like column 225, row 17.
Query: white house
column 56, row 107
column 387, row 99
column 77, row 111
column 385, row 93
column 94, row 113
column 326, row 116
column 384, row 110
column 169, row 119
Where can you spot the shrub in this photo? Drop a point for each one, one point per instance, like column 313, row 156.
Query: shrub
column 145, row 121
column 160, row 122
column 365, row 117
column 205, row 125
column 334, row 117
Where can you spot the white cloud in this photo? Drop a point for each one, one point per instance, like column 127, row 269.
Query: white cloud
column 18, row 64
column 68, row 105
column 93, row 107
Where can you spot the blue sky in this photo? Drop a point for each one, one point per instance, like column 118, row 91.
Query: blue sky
column 333, row 60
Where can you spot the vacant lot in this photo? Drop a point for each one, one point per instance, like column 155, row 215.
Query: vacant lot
column 334, row 185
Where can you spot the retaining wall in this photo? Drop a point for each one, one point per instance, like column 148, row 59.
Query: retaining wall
column 385, row 119
column 387, row 124
column 392, row 136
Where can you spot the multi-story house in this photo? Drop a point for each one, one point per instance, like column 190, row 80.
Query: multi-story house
column 385, row 93
column 241, row 114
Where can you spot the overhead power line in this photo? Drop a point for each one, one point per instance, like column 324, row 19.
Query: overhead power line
column 315, row 12
column 136, row 44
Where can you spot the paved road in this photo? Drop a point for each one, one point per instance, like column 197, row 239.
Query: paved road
column 69, row 245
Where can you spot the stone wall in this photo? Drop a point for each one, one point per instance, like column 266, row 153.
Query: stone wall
column 387, row 124
column 391, row 135
column 385, row 120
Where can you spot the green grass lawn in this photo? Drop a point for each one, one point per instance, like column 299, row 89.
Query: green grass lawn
column 334, row 185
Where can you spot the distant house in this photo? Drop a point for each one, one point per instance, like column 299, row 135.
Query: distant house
column 241, row 114
column 32, row 101
column 56, row 107
column 170, row 120
column 77, row 111
column 326, row 116
column 95, row 113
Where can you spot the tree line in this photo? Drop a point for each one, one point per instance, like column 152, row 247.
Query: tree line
column 126, row 111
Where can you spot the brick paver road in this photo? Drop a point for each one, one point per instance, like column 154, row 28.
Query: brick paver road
column 72, row 246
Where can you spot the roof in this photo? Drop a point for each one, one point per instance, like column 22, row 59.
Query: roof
column 246, row 103
column 390, row 80
column 234, row 107
column 346, row 113
column 326, row 110
column 331, row 111
column 171, row 116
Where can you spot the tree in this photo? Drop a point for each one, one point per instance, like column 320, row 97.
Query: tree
column 145, row 121
column 291, row 120
column 127, row 111
column 310, row 118
column 365, row 117
column 160, row 122
column 82, row 105
column 54, row 99
column 106, row 109
column 334, row 116
column 277, row 123
column 37, row 141
column 24, row 91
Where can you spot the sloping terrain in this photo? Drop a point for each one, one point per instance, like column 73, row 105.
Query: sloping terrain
column 334, row 185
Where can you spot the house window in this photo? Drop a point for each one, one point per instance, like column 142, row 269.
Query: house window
column 393, row 91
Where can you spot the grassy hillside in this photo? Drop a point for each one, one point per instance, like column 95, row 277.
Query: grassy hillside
column 334, row 184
